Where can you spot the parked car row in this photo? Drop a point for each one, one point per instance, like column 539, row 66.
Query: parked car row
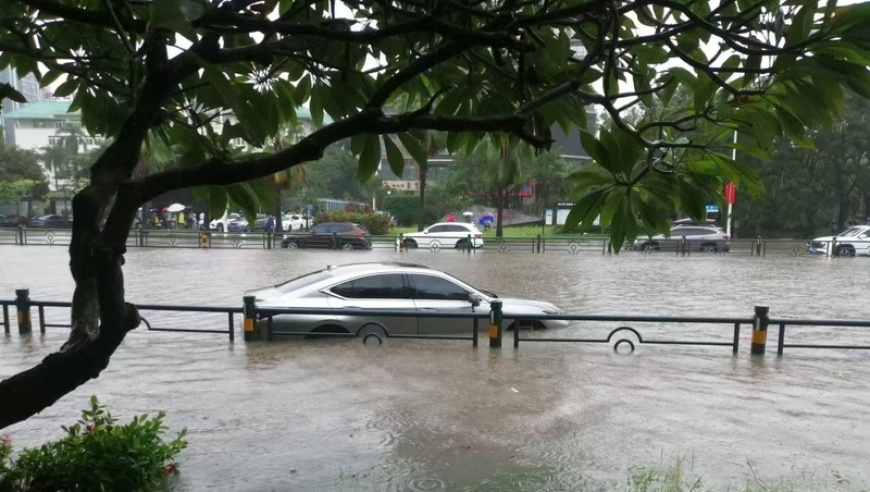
column 43, row 222
column 234, row 222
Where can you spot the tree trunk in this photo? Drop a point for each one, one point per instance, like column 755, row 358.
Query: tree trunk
column 499, row 204
column 100, row 318
column 421, row 219
column 279, row 223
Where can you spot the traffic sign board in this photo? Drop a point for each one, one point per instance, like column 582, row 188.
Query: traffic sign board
column 712, row 208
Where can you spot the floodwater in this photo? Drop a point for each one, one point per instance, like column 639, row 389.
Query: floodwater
column 441, row 415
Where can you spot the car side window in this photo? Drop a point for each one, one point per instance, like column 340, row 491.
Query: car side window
column 389, row 286
column 688, row 231
column 321, row 229
column 436, row 288
column 343, row 228
column 458, row 228
column 436, row 229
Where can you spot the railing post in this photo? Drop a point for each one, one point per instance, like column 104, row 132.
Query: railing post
column 736, row 343
column 780, row 342
column 22, row 236
column 469, row 246
column 759, row 330
column 475, row 332
column 269, row 240
column 495, row 319
column 22, row 304
column 758, row 246
column 400, row 242
column 833, row 251
column 250, row 313
column 538, row 247
column 334, row 240
column 41, row 310
column 6, row 321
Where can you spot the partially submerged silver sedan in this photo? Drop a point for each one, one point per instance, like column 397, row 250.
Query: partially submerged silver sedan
column 393, row 286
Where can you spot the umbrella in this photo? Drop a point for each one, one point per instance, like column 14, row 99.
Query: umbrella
column 175, row 207
column 486, row 219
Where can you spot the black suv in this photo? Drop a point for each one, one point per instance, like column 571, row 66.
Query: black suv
column 331, row 235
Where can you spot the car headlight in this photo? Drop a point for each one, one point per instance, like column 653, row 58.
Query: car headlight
column 552, row 311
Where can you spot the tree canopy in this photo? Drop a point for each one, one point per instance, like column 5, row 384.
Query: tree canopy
column 205, row 76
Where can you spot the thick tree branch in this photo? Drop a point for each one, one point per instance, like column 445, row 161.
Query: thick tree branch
column 83, row 16
column 310, row 148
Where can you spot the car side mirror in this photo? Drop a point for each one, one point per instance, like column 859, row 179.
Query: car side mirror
column 474, row 299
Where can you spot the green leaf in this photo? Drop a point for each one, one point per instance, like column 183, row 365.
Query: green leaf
column 753, row 62
column 369, row 158
column 394, row 156
column 67, row 88
column 412, row 145
column 217, row 201
column 9, row 92
column 585, row 210
column 802, row 24
column 596, row 150
column 315, row 105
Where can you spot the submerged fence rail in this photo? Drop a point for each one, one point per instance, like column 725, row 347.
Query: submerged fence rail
column 267, row 323
column 23, row 305
column 539, row 244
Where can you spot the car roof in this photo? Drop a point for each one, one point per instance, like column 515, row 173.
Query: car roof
column 451, row 223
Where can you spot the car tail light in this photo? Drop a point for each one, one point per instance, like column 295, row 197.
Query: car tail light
column 477, row 235
column 726, row 237
column 360, row 234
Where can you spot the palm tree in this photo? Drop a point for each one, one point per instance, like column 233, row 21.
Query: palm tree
column 57, row 157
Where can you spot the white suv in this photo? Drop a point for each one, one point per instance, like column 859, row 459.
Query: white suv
column 854, row 241
column 293, row 222
column 445, row 235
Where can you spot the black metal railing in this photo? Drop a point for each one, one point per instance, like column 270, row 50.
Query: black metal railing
column 43, row 321
column 784, row 323
column 374, row 323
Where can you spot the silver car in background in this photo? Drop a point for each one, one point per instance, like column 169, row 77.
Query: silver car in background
column 698, row 238
column 397, row 287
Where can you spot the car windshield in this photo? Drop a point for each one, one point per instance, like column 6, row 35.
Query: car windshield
column 303, row 281
column 854, row 231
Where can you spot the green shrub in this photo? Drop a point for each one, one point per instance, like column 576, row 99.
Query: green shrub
column 376, row 224
column 403, row 207
column 96, row 454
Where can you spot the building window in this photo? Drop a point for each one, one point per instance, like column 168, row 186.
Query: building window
column 59, row 124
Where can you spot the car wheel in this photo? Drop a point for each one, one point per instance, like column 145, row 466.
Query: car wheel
column 646, row 247
column 845, row 251
column 410, row 243
column 708, row 247
column 247, row 228
column 372, row 330
column 300, row 243
column 289, row 245
column 347, row 246
column 462, row 244
column 220, row 228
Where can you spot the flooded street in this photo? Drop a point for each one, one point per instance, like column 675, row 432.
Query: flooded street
column 415, row 415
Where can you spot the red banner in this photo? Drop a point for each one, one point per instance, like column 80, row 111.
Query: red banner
column 730, row 193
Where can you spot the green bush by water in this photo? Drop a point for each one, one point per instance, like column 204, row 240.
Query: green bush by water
column 95, row 455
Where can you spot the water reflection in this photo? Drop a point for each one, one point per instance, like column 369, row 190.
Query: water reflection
column 412, row 415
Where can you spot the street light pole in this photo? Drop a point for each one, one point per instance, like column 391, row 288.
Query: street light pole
column 728, row 216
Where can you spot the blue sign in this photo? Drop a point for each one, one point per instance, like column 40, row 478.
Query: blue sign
column 310, row 207
column 712, row 208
